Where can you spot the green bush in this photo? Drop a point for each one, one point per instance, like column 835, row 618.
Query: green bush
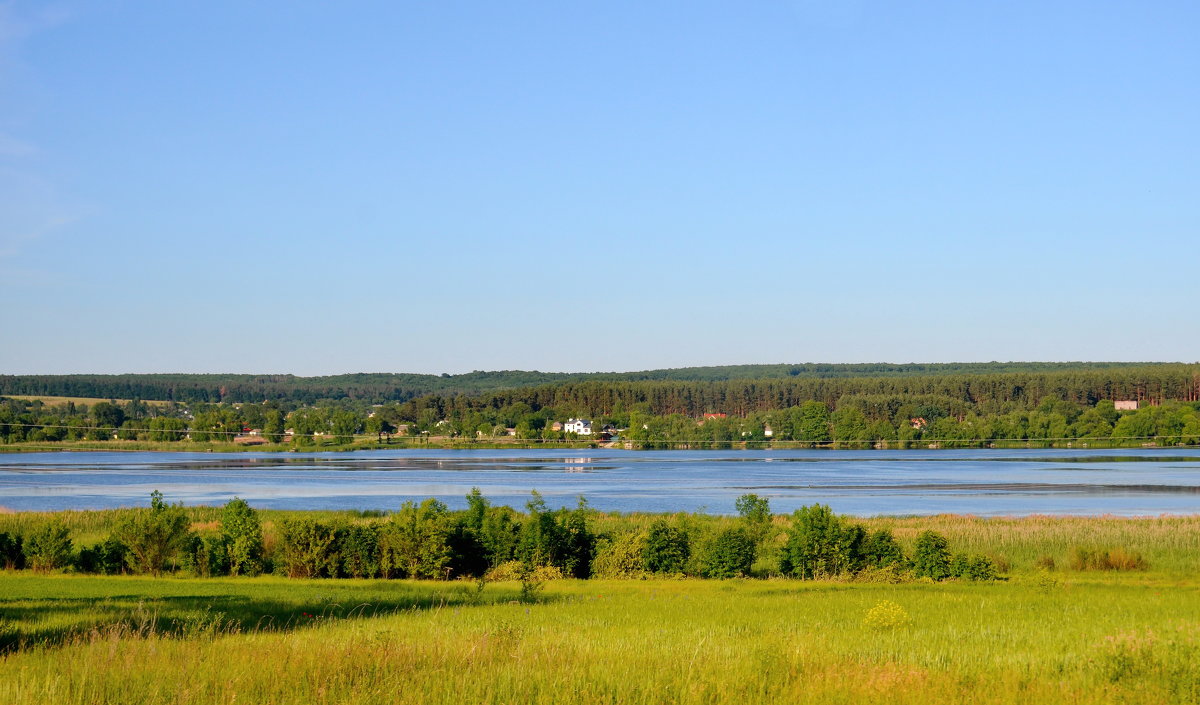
column 621, row 556
column 821, row 544
column 931, row 556
column 48, row 547
column 153, row 536
column 242, row 534
column 106, row 557
column 667, row 548
column 730, row 555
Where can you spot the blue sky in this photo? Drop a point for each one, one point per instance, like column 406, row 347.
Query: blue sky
column 317, row 188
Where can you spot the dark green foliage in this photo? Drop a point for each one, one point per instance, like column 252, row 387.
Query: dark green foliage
column 820, row 544
column 153, row 536
column 561, row 539
column 105, row 558
column 499, row 534
column 360, row 551
column 667, row 548
column 931, row 556
column 48, row 547
column 242, row 533
column 205, row 556
column 12, row 554
column 881, row 550
column 972, row 567
column 730, row 555
column 307, row 548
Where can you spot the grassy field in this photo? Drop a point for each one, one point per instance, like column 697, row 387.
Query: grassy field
column 1036, row 636
column 78, row 401
column 1032, row 639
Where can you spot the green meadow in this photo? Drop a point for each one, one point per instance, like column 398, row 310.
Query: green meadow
column 1036, row 635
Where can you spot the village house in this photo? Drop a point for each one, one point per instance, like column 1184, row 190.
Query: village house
column 556, row 426
column 582, row 427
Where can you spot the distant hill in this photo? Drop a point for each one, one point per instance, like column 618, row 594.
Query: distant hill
column 380, row 387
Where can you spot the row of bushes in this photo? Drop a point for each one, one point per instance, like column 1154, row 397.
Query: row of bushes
column 428, row 541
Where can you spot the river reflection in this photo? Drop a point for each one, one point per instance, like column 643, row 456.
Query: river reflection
column 983, row 482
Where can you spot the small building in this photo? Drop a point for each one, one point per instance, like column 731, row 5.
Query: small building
column 581, row 427
column 918, row 422
column 708, row 417
column 556, row 426
column 768, row 431
column 1126, row 405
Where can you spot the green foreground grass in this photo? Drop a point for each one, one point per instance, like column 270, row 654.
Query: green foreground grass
column 1038, row 637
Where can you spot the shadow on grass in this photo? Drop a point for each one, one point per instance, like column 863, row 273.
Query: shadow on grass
column 27, row 623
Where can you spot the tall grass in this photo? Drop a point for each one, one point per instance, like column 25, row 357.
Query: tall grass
column 647, row 642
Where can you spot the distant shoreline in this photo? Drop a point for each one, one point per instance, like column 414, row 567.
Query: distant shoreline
column 117, row 446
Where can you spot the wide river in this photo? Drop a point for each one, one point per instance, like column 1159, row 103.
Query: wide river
column 984, row 482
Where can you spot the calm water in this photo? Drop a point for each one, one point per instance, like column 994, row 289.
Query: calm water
column 984, row 482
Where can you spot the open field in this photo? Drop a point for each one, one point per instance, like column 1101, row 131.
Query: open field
column 1080, row 639
column 78, row 401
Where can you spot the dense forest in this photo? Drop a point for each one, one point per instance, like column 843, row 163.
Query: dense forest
column 384, row 387
column 959, row 411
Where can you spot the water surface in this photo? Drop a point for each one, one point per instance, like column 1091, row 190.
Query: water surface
column 984, row 482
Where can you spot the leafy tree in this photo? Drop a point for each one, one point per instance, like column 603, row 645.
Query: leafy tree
column 242, row 533
column 931, row 556
column 48, row 547
column 152, row 535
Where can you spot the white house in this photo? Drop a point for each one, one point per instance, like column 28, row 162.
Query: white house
column 1125, row 405
column 582, row 427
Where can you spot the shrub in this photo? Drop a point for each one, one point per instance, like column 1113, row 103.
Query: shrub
column 972, row 567
column 307, row 548
column 106, row 557
column 881, row 549
column 415, row 543
column 931, row 556
column 1113, row 559
column 820, row 544
column 205, row 556
column 886, row 615
column 667, row 548
column 153, row 535
column 360, row 552
column 888, row 574
column 48, row 547
column 731, row 554
column 242, row 532
column 621, row 556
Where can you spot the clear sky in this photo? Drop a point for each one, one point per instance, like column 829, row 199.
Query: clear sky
column 320, row 187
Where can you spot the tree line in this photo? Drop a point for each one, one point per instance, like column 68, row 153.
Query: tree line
column 384, row 387
column 428, row 541
column 856, row 420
